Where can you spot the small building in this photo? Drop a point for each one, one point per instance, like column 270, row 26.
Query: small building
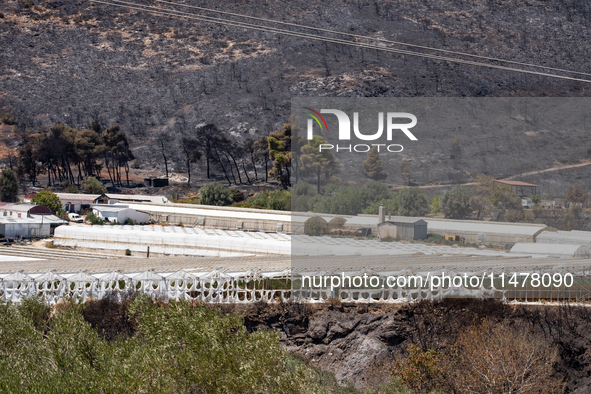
column 522, row 189
column 404, row 228
column 23, row 210
column 71, row 202
column 74, row 202
column 23, row 227
column 156, row 182
column 119, row 214
column 110, row 198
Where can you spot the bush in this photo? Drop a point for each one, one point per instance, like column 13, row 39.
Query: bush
column 341, row 200
column 391, row 205
column 6, row 117
column 374, row 191
column 175, row 348
column 237, row 195
column 303, row 197
column 72, row 189
column 129, row 222
column 414, row 202
column 93, row 186
column 456, row 203
column 93, row 219
column 280, row 200
column 277, row 199
column 127, row 252
column 216, row 194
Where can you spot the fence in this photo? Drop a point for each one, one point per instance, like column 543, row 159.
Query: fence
column 252, row 286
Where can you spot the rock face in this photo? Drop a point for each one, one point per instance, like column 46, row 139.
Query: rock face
column 360, row 343
column 341, row 342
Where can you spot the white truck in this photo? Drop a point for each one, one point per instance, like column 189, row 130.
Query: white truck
column 74, row 217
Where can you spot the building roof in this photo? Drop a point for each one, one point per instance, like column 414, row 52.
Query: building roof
column 515, row 183
column 110, row 208
column 48, row 219
column 406, row 220
column 565, row 237
column 136, row 198
column 197, row 210
column 77, row 197
column 14, row 219
column 8, row 206
column 453, row 225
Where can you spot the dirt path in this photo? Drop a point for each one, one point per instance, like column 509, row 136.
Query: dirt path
column 512, row 177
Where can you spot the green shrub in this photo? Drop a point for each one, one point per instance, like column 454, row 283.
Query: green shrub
column 391, row 205
column 414, row 202
column 127, row 252
column 128, row 222
column 216, row 194
column 94, row 219
column 93, row 186
column 237, row 195
column 72, row 189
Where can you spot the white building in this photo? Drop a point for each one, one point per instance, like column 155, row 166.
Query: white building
column 119, row 214
column 73, row 202
column 24, row 227
column 110, row 198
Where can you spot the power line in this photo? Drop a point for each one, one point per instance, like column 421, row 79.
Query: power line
column 141, row 7
column 372, row 38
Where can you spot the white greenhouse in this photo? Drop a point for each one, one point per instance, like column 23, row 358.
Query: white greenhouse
column 169, row 240
column 552, row 250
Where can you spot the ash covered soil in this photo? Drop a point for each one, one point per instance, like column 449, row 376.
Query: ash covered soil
column 157, row 76
column 360, row 343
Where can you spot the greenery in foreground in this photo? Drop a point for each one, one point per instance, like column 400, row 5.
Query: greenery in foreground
column 175, row 347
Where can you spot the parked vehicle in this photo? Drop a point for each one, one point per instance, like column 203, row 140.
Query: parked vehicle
column 74, row 217
column 527, row 203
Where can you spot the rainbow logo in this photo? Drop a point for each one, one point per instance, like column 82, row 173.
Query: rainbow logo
column 315, row 116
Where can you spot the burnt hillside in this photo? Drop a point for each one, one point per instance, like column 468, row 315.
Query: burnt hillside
column 157, row 76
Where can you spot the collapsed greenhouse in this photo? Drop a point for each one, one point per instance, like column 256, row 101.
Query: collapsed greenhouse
column 280, row 278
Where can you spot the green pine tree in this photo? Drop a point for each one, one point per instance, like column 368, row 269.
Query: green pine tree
column 373, row 166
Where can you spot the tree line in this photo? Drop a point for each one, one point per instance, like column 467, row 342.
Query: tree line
column 67, row 154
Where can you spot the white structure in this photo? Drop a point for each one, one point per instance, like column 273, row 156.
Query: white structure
column 119, row 214
column 471, row 230
column 24, row 227
column 110, row 198
column 218, row 217
column 173, row 240
column 552, row 250
column 565, row 237
column 73, row 202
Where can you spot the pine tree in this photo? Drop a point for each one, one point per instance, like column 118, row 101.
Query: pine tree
column 8, row 186
column 405, row 171
column 318, row 162
column 373, row 166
